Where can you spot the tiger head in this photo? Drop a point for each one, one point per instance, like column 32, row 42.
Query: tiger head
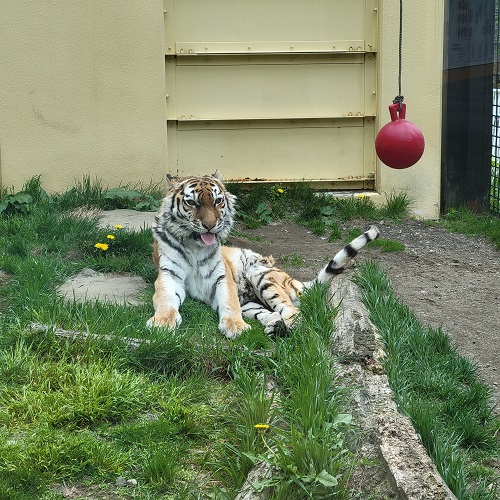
column 197, row 207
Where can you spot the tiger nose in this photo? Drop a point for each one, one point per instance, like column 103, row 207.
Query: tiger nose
column 208, row 225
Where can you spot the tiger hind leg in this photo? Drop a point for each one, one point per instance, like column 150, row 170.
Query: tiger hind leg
column 272, row 320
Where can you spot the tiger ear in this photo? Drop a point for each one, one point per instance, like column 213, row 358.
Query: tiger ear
column 217, row 175
column 171, row 180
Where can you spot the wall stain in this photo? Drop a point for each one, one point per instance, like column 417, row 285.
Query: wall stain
column 64, row 127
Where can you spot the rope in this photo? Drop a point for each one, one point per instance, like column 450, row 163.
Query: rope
column 399, row 98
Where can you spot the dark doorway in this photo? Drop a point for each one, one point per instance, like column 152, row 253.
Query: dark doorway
column 467, row 103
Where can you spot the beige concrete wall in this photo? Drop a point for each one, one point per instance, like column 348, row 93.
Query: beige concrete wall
column 81, row 91
column 422, row 71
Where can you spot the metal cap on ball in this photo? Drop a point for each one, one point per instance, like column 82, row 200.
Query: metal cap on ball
column 399, row 143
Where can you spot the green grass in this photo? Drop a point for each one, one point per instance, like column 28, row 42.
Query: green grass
column 304, row 442
column 386, row 245
column 439, row 390
column 462, row 220
column 178, row 413
column 325, row 215
column 292, row 260
column 320, row 212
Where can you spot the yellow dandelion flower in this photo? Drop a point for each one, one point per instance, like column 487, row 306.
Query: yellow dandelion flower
column 261, row 427
column 361, row 195
column 281, row 191
column 110, row 237
column 118, row 226
column 102, row 246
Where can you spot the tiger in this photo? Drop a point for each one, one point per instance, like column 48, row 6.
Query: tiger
column 195, row 218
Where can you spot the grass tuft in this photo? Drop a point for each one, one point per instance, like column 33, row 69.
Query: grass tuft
column 439, row 389
column 462, row 220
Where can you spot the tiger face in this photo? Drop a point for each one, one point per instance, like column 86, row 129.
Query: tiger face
column 201, row 207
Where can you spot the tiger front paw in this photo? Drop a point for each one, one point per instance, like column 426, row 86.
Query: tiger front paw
column 165, row 319
column 232, row 327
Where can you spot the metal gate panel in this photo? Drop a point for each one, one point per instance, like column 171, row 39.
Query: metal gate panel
column 259, row 24
column 272, row 89
column 279, row 150
column 298, row 89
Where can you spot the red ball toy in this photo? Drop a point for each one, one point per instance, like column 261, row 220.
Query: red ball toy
column 400, row 143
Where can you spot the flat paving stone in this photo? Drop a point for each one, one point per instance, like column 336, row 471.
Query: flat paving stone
column 90, row 285
column 129, row 219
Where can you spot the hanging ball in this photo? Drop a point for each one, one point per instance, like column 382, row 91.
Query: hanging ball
column 399, row 143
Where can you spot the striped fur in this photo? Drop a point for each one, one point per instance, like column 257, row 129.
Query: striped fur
column 195, row 217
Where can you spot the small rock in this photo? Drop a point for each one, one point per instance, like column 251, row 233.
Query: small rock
column 131, row 482
column 121, row 481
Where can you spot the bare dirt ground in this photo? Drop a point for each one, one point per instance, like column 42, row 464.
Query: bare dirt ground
column 449, row 280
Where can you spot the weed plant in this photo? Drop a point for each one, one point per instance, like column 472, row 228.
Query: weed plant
column 91, row 193
column 439, row 390
column 495, row 188
column 322, row 213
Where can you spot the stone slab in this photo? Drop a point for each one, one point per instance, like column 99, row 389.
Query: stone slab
column 90, row 285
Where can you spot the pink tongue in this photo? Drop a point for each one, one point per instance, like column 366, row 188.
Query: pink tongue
column 208, row 238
